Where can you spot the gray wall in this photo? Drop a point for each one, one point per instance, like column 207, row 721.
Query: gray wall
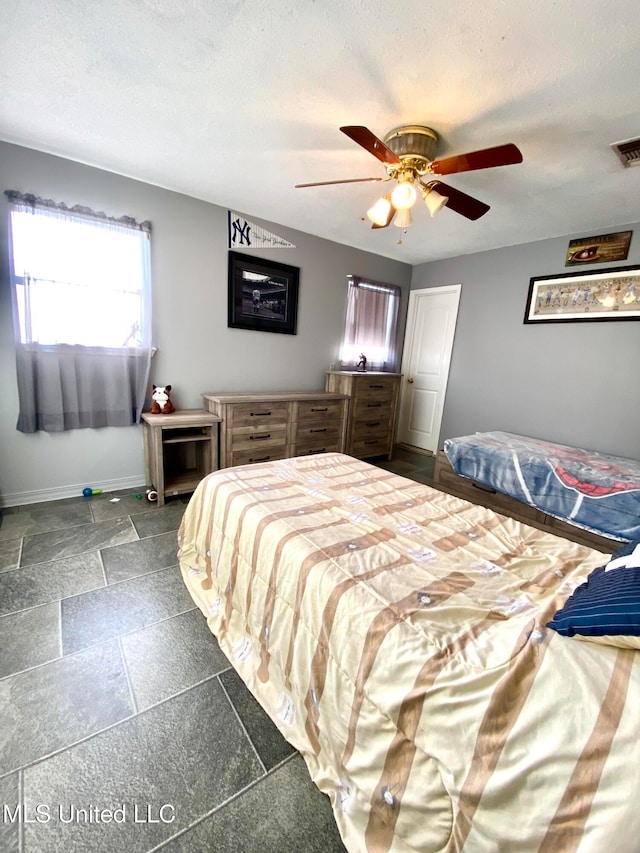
column 197, row 352
column 574, row 383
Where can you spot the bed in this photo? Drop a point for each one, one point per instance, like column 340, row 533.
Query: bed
column 592, row 491
column 398, row 637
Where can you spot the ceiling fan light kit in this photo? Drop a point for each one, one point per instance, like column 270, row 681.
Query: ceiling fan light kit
column 403, row 218
column 434, row 201
column 408, row 153
column 404, row 195
column 379, row 213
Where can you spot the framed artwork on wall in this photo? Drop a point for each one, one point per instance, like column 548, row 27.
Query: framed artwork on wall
column 611, row 294
column 602, row 249
column 263, row 295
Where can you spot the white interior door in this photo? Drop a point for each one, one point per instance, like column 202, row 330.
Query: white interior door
column 431, row 325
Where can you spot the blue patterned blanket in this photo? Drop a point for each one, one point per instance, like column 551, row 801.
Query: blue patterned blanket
column 591, row 490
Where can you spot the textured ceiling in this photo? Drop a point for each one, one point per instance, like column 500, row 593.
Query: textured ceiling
column 235, row 102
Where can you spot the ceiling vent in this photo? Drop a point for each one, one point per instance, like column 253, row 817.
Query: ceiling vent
column 628, row 152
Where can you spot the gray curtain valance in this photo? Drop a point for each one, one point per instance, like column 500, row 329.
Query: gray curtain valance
column 31, row 200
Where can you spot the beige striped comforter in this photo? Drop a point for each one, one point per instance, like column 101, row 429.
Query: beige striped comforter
column 396, row 636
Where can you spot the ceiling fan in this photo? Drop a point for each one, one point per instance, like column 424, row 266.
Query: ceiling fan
column 408, row 154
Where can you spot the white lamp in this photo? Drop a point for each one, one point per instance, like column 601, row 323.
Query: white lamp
column 379, row 213
column 403, row 196
column 403, row 218
column 434, row 201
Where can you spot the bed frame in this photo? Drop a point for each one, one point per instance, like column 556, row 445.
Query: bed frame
column 447, row 480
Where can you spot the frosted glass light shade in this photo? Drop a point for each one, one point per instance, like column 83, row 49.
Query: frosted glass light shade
column 403, row 218
column 434, row 201
column 403, row 196
column 379, row 212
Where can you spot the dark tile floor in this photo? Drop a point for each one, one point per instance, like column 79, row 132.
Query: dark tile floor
column 114, row 695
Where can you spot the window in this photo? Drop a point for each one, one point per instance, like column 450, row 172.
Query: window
column 371, row 324
column 81, row 295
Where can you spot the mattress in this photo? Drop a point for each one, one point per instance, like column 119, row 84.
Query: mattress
column 397, row 637
column 590, row 490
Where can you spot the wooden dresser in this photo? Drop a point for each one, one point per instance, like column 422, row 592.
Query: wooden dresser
column 261, row 427
column 373, row 409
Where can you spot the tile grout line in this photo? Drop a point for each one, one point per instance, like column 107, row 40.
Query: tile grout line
column 93, row 645
column 223, row 804
column 187, row 689
column 242, row 726
column 133, row 631
column 125, row 666
column 21, row 806
column 64, row 556
column 61, row 646
column 104, row 574
column 113, row 725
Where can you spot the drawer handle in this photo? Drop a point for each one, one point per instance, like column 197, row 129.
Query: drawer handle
column 372, row 423
column 260, row 414
column 261, row 459
column 260, row 437
column 376, row 386
column 320, row 429
column 373, row 441
column 374, row 405
column 326, row 409
column 484, row 489
column 319, row 450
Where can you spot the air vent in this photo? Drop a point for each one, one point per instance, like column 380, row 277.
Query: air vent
column 628, row 152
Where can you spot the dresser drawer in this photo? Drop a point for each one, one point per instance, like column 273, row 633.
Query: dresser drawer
column 258, row 415
column 257, row 454
column 371, row 410
column 366, row 428
column 317, row 431
column 243, row 440
column 319, row 410
column 307, row 446
column 374, row 389
column 370, row 445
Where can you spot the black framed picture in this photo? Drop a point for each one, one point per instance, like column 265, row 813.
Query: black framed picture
column 611, row 294
column 263, row 295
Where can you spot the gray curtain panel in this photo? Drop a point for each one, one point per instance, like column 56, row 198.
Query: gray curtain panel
column 81, row 289
column 69, row 387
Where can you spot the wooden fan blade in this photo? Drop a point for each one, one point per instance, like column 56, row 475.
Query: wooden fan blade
column 370, row 142
column 346, row 181
column 392, row 213
column 460, row 202
column 501, row 155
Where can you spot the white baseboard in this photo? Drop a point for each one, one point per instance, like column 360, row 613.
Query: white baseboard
column 58, row 492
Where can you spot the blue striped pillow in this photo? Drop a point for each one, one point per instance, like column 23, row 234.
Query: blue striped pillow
column 604, row 609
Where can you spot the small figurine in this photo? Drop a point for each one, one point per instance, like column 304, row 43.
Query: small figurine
column 362, row 364
column 162, row 404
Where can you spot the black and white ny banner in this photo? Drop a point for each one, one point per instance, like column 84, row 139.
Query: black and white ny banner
column 244, row 234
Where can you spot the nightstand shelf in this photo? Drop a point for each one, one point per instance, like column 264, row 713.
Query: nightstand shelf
column 179, row 450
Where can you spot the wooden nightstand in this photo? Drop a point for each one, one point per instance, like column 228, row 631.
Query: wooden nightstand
column 179, row 450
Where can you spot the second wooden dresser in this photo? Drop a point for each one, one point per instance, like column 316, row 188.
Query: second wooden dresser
column 372, row 410
column 261, row 427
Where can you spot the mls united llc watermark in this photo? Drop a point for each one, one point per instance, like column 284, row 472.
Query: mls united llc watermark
column 68, row 813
